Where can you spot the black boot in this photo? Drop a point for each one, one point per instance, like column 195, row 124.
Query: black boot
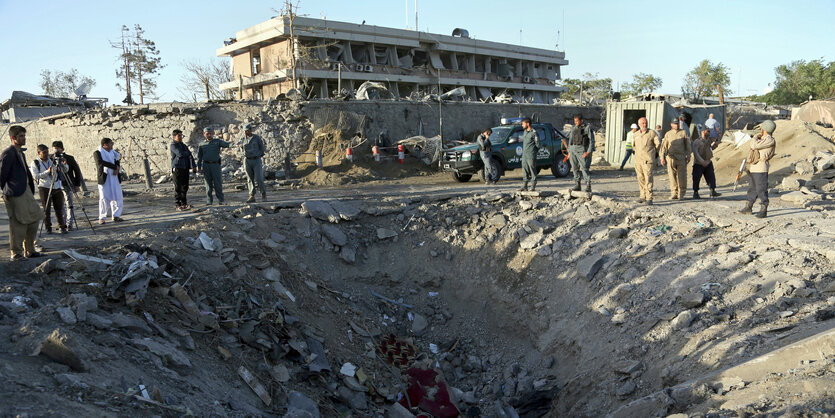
column 588, row 187
column 747, row 208
column 533, row 187
column 714, row 193
column 763, row 212
column 696, row 194
column 576, row 186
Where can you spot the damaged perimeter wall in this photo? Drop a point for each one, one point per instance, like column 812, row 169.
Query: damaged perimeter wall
column 140, row 131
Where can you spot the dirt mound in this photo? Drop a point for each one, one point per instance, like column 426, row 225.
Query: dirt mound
column 796, row 141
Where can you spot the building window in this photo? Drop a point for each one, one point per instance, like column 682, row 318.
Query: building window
column 256, row 61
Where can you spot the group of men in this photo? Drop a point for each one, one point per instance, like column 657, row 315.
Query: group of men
column 580, row 146
column 209, row 163
column 676, row 148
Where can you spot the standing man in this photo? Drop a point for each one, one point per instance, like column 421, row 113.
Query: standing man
column 108, row 167
column 580, row 147
column 675, row 154
column 485, row 151
column 19, row 196
column 254, row 149
column 646, row 150
column 181, row 162
column 208, row 161
column 702, row 164
column 762, row 148
column 47, row 175
column 530, row 147
column 713, row 127
column 630, row 139
column 70, row 181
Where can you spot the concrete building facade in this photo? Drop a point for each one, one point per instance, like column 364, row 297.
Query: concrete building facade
column 330, row 54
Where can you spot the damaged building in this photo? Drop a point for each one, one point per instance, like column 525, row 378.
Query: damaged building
column 332, row 56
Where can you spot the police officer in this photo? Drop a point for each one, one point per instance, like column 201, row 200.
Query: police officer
column 702, row 164
column 254, row 149
column 530, row 146
column 675, row 154
column 761, row 150
column 485, row 151
column 645, row 144
column 580, row 148
column 181, row 162
column 208, row 161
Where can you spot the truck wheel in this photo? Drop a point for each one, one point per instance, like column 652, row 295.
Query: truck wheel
column 496, row 169
column 462, row 178
column 560, row 168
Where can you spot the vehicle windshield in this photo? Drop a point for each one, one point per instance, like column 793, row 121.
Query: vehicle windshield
column 499, row 134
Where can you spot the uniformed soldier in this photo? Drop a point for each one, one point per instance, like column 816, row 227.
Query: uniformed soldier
column 702, row 164
column 645, row 145
column 485, row 151
column 530, row 147
column 208, row 161
column 675, row 154
column 580, row 147
column 762, row 148
column 254, row 149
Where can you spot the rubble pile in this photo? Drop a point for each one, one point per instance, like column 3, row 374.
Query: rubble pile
column 500, row 304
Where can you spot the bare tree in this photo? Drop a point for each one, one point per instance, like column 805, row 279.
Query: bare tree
column 63, row 84
column 205, row 78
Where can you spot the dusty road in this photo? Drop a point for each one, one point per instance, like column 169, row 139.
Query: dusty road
column 155, row 210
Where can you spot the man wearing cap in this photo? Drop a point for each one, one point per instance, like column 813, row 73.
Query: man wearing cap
column 702, row 164
column 646, row 145
column 181, row 162
column 530, row 147
column 254, row 149
column 72, row 181
column 675, row 154
column 108, row 167
column 208, row 161
column 630, row 138
column 761, row 150
column 580, row 147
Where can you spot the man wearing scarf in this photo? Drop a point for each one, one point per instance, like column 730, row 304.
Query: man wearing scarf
column 110, row 187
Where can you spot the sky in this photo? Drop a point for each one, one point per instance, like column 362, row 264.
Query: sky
column 609, row 38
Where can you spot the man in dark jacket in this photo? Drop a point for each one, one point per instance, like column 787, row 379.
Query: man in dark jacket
column 181, row 162
column 71, row 181
column 19, row 195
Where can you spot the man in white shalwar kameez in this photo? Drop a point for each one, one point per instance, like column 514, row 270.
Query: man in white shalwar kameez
column 107, row 176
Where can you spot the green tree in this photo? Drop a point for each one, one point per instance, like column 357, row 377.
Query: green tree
column 588, row 90
column 702, row 80
column 63, row 84
column 139, row 62
column 642, row 83
column 799, row 80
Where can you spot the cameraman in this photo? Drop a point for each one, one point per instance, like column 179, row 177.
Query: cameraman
column 49, row 186
column 71, row 180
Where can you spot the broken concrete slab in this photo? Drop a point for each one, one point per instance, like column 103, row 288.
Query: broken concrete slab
column 255, row 385
column 66, row 314
column 170, row 356
column 130, row 322
column 384, row 233
column 334, row 235
column 348, row 255
column 60, row 347
column 300, row 406
column 320, row 209
column 531, row 241
column 345, row 209
column 588, row 267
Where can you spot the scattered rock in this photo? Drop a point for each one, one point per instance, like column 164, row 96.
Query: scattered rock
column 60, row 348
column 626, row 389
column 48, row 266
column 590, row 265
column 419, row 324
column 320, row 209
column 384, row 233
column 692, row 299
column 346, row 210
column 170, row 356
column 531, row 241
column 683, row 320
column 66, row 314
column 790, row 183
column 334, row 235
column 131, row 323
column 804, row 167
column 300, row 406
column 348, row 255
column 497, row 220
column 618, row 233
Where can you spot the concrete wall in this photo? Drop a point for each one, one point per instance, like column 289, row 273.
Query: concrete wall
column 286, row 126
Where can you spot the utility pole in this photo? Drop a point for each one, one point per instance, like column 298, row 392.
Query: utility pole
column 291, row 16
column 440, row 107
column 417, row 28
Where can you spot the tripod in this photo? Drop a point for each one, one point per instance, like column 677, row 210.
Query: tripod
column 80, row 203
column 56, row 165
